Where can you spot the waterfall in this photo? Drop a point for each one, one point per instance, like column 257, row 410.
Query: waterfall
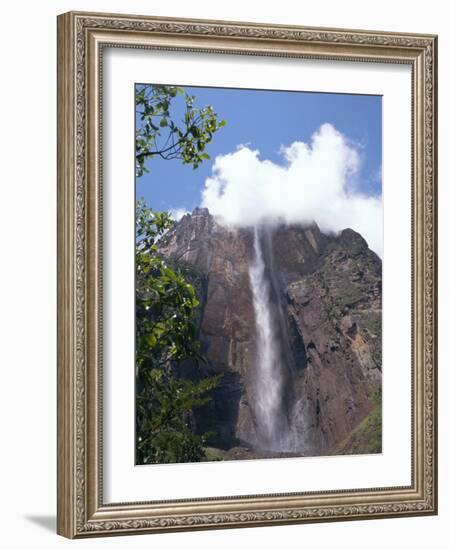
column 274, row 432
column 268, row 381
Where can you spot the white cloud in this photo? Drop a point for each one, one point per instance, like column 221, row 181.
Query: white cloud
column 315, row 183
column 178, row 213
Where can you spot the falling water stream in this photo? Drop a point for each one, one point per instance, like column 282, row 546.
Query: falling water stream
column 273, row 428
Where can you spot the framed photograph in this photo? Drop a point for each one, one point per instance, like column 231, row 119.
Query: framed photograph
column 246, row 274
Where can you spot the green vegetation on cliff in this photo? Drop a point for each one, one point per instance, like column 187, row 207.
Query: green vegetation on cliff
column 366, row 438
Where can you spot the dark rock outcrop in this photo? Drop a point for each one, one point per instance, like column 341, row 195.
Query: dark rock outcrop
column 329, row 290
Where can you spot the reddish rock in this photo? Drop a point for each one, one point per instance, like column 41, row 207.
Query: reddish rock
column 329, row 288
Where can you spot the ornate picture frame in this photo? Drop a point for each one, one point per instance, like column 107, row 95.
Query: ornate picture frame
column 82, row 40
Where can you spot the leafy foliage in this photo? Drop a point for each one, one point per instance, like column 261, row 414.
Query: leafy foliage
column 166, row 332
column 166, row 335
column 159, row 134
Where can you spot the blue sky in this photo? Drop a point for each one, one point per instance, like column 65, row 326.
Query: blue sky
column 266, row 120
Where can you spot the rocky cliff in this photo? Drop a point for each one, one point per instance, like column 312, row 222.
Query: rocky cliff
column 325, row 294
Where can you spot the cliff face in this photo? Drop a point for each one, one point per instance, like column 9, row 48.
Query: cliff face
column 325, row 298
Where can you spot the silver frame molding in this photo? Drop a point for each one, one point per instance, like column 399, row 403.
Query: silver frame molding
column 81, row 38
